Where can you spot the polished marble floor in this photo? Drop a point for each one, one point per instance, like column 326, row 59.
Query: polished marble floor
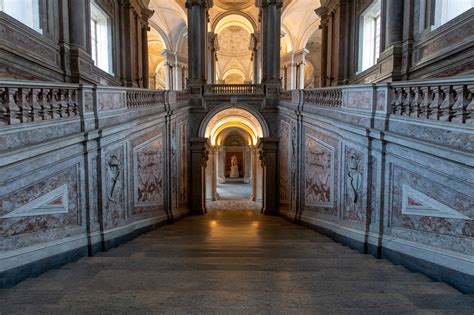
column 232, row 262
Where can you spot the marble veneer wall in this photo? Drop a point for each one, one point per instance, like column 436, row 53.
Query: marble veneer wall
column 84, row 168
column 385, row 169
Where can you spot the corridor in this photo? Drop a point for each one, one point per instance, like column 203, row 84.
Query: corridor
column 231, row 262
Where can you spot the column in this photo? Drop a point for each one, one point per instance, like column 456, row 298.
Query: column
column 247, row 162
column 167, row 76
column 199, row 157
column 178, row 77
column 80, row 60
column 211, row 62
column 301, row 76
column 268, row 157
column 322, row 12
column 197, row 41
column 254, row 173
column 271, row 28
column 254, row 47
column 145, row 70
column 291, row 76
column 393, row 22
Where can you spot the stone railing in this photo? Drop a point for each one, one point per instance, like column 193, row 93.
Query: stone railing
column 232, row 89
column 325, row 97
column 139, row 98
column 443, row 100
column 22, row 101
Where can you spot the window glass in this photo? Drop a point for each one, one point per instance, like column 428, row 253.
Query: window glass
column 446, row 10
column 101, row 46
column 369, row 32
column 25, row 11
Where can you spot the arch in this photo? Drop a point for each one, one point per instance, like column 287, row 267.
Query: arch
column 160, row 33
column 287, row 39
column 230, row 115
column 234, row 71
column 308, row 33
column 233, row 18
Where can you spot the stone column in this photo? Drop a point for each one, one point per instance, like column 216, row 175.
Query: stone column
column 178, row 77
column 211, row 58
column 167, row 76
column 271, row 28
column 214, row 173
column 254, row 47
column 199, row 157
column 81, row 62
column 393, row 22
column 291, row 76
column 247, row 163
column 145, row 28
column 254, row 173
column 197, row 42
column 322, row 12
column 301, row 76
column 268, row 157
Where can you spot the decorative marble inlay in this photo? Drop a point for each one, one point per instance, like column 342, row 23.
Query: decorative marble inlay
column 354, row 205
column 419, row 204
column 283, row 160
column 54, row 202
column 148, row 172
column 358, row 99
column 319, row 173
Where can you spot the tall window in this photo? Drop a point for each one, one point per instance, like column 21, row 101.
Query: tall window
column 101, row 45
column 446, row 10
column 25, row 11
column 369, row 36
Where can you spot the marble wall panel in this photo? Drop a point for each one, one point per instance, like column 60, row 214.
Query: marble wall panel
column 283, row 161
column 403, row 179
column 110, row 101
column 114, row 179
column 37, row 215
column 147, row 172
column 358, row 99
column 354, row 185
column 183, row 163
column 320, row 172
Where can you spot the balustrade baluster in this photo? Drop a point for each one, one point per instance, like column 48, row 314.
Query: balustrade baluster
column 445, row 109
column 434, row 106
column 9, row 110
column 459, row 113
column 35, row 108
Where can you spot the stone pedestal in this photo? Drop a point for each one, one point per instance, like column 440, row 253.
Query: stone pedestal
column 234, row 171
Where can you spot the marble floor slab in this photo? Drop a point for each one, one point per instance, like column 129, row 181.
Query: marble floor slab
column 232, row 262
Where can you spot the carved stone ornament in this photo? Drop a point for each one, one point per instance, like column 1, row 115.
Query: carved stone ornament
column 113, row 168
column 354, row 178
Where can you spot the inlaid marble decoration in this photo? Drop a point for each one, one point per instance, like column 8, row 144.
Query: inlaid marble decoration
column 358, row 99
column 148, row 172
column 319, row 172
column 283, row 160
column 47, row 204
column 115, row 210
column 110, row 101
column 183, row 162
column 355, row 192
column 420, row 203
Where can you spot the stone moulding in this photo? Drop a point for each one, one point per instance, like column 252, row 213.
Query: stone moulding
column 419, row 204
column 53, row 202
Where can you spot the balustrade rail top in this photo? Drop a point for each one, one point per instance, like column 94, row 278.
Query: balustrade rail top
column 41, row 84
column 442, row 81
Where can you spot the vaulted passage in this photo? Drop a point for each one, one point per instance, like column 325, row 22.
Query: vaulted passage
column 231, row 262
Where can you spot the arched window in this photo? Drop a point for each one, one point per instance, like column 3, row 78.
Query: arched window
column 25, row 11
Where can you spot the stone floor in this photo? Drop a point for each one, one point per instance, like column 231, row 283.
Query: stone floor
column 234, row 191
column 232, row 262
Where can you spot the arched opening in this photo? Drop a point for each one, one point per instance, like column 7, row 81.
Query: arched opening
column 233, row 172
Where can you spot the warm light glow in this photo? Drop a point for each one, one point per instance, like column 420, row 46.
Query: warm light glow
column 213, row 223
column 234, row 118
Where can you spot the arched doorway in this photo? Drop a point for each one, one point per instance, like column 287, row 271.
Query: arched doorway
column 232, row 146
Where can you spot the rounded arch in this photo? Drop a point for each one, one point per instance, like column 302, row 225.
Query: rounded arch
column 161, row 34
column 233, row 71
column 230, row 115
column 308, row 33
column 233, row 18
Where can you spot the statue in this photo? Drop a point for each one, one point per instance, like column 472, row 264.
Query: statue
column 234, row 168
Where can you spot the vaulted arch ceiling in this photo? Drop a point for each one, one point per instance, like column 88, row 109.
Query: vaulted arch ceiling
column 299, row 22
column 169, row 19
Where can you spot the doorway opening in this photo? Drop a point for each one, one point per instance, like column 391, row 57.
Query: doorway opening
column 234, row 175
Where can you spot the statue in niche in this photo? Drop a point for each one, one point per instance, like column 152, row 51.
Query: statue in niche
column 234, row 168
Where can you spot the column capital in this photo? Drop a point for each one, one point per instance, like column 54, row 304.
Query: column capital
column 322, row 12
column 202, row 3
